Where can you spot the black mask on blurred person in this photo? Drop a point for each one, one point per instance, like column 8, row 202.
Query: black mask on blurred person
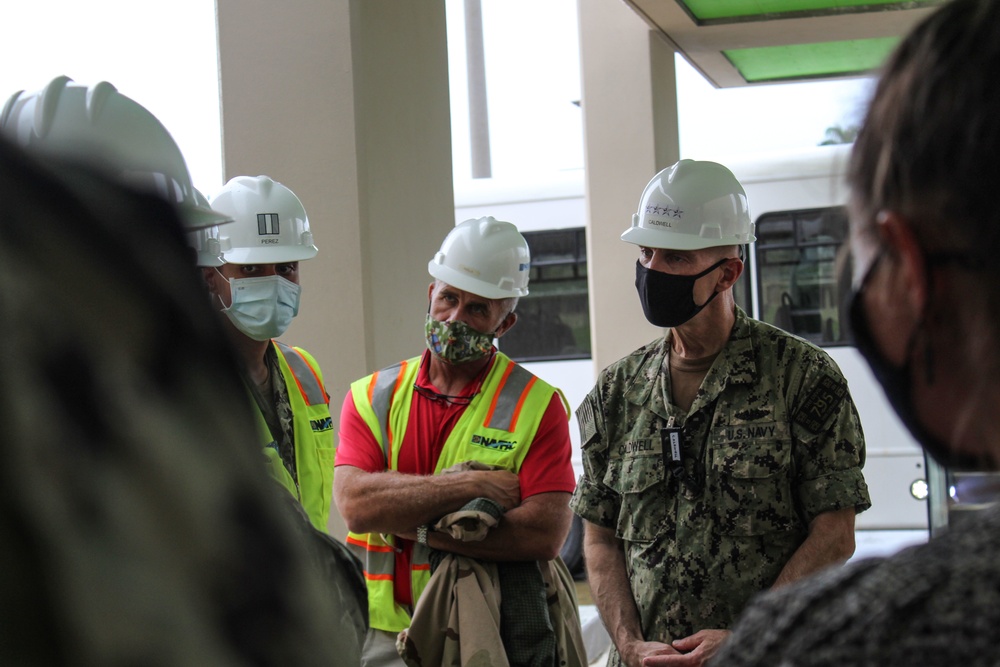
column 667, row 298
column 896, row 381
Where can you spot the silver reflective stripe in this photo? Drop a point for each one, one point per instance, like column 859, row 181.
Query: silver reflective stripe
column 510, row 395
column 312, row 391
column 380, row 563
column 421, row 555
column 381, row 401
column 377, row 561
column 359, row 551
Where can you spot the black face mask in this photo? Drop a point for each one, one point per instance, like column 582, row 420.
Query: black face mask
column 896, row 381
column 668, row 299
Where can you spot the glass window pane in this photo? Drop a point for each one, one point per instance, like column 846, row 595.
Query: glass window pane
column 804, row 288
column 553, row 321
column 775, row 229
column 556, row 326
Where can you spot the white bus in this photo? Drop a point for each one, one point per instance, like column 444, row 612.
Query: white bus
column 796, row 278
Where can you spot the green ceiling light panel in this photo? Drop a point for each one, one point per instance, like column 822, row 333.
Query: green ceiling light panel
column 735, row 10
column 809, row 61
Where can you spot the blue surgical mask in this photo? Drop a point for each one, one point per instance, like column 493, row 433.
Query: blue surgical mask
column 263, row 308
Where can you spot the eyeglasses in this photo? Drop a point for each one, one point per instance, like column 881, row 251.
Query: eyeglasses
column 453, row 400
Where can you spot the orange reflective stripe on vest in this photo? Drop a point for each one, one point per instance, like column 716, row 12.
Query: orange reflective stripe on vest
column 308, row 382
column 313, row 435
column 507, row 403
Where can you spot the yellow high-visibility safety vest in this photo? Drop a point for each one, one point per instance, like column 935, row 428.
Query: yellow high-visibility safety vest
column 497, row 428
column 313, row 429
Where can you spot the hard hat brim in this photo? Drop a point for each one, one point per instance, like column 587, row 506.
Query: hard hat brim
column 651, row 239
column 272, row 255
column 467, row 283
column 197, row 217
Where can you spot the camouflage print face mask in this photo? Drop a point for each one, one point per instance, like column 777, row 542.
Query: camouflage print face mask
column 456, row 342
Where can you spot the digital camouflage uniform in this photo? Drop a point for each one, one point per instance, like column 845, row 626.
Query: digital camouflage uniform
column 772, row 439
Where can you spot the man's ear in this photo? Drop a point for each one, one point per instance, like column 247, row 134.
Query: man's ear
column 208, row 276
column 909, row 262
column 507, row 324
column 732, row 269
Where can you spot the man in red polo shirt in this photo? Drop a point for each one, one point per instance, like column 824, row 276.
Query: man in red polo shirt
column 460, row 400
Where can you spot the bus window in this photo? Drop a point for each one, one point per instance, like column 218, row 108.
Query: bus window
column 553, row 321
column 802, row 283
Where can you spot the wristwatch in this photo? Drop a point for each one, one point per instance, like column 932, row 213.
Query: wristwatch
column 422, row 534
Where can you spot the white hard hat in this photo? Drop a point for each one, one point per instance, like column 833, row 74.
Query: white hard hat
column 101, row 126
column 689, row 206
column 485, row 256
column 270, row 224
column 205, row 241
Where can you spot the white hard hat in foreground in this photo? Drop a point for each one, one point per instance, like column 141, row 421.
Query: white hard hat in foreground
column 100, row 126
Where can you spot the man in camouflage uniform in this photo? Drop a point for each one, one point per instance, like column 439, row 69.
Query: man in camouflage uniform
column 720, row 460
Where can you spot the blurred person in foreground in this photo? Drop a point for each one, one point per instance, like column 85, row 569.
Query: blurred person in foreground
column 926, row 316
column 138, row 525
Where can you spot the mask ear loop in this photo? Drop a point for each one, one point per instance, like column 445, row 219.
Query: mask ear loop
column 930, row 261
column 219, row 296
column 929, row 347
column 705, row 273
column 920, row 328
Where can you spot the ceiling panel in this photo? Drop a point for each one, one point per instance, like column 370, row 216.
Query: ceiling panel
column 818, row 60
column 745, row 10
column 747, row 42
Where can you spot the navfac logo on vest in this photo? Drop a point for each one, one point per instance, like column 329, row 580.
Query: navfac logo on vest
column 493, row 443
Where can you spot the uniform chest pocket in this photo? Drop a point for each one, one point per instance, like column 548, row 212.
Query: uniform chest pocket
column 753, row 482
column 641, row 483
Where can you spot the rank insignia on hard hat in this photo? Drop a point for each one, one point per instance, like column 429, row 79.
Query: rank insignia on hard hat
column 267, row 223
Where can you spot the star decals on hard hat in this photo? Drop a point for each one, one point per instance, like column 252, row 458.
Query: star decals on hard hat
column 656, row 209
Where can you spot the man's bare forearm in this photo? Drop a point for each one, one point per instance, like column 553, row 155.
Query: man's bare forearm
column 535, row 530
column 392, row 502
column 830, row 542
column 610, row 588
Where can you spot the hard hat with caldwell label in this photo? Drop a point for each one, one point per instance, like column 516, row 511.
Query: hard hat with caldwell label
column 270, row 224
column 100, row 126
column 485, row 256
column 689, row 206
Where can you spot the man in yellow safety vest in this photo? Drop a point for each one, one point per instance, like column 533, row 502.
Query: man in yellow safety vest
column 255, row 284
column 461, row 400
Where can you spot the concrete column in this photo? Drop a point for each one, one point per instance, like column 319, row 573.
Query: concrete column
column 629, row 105
column 346, row 103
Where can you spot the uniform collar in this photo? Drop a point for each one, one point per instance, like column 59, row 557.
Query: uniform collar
column 734, row 365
